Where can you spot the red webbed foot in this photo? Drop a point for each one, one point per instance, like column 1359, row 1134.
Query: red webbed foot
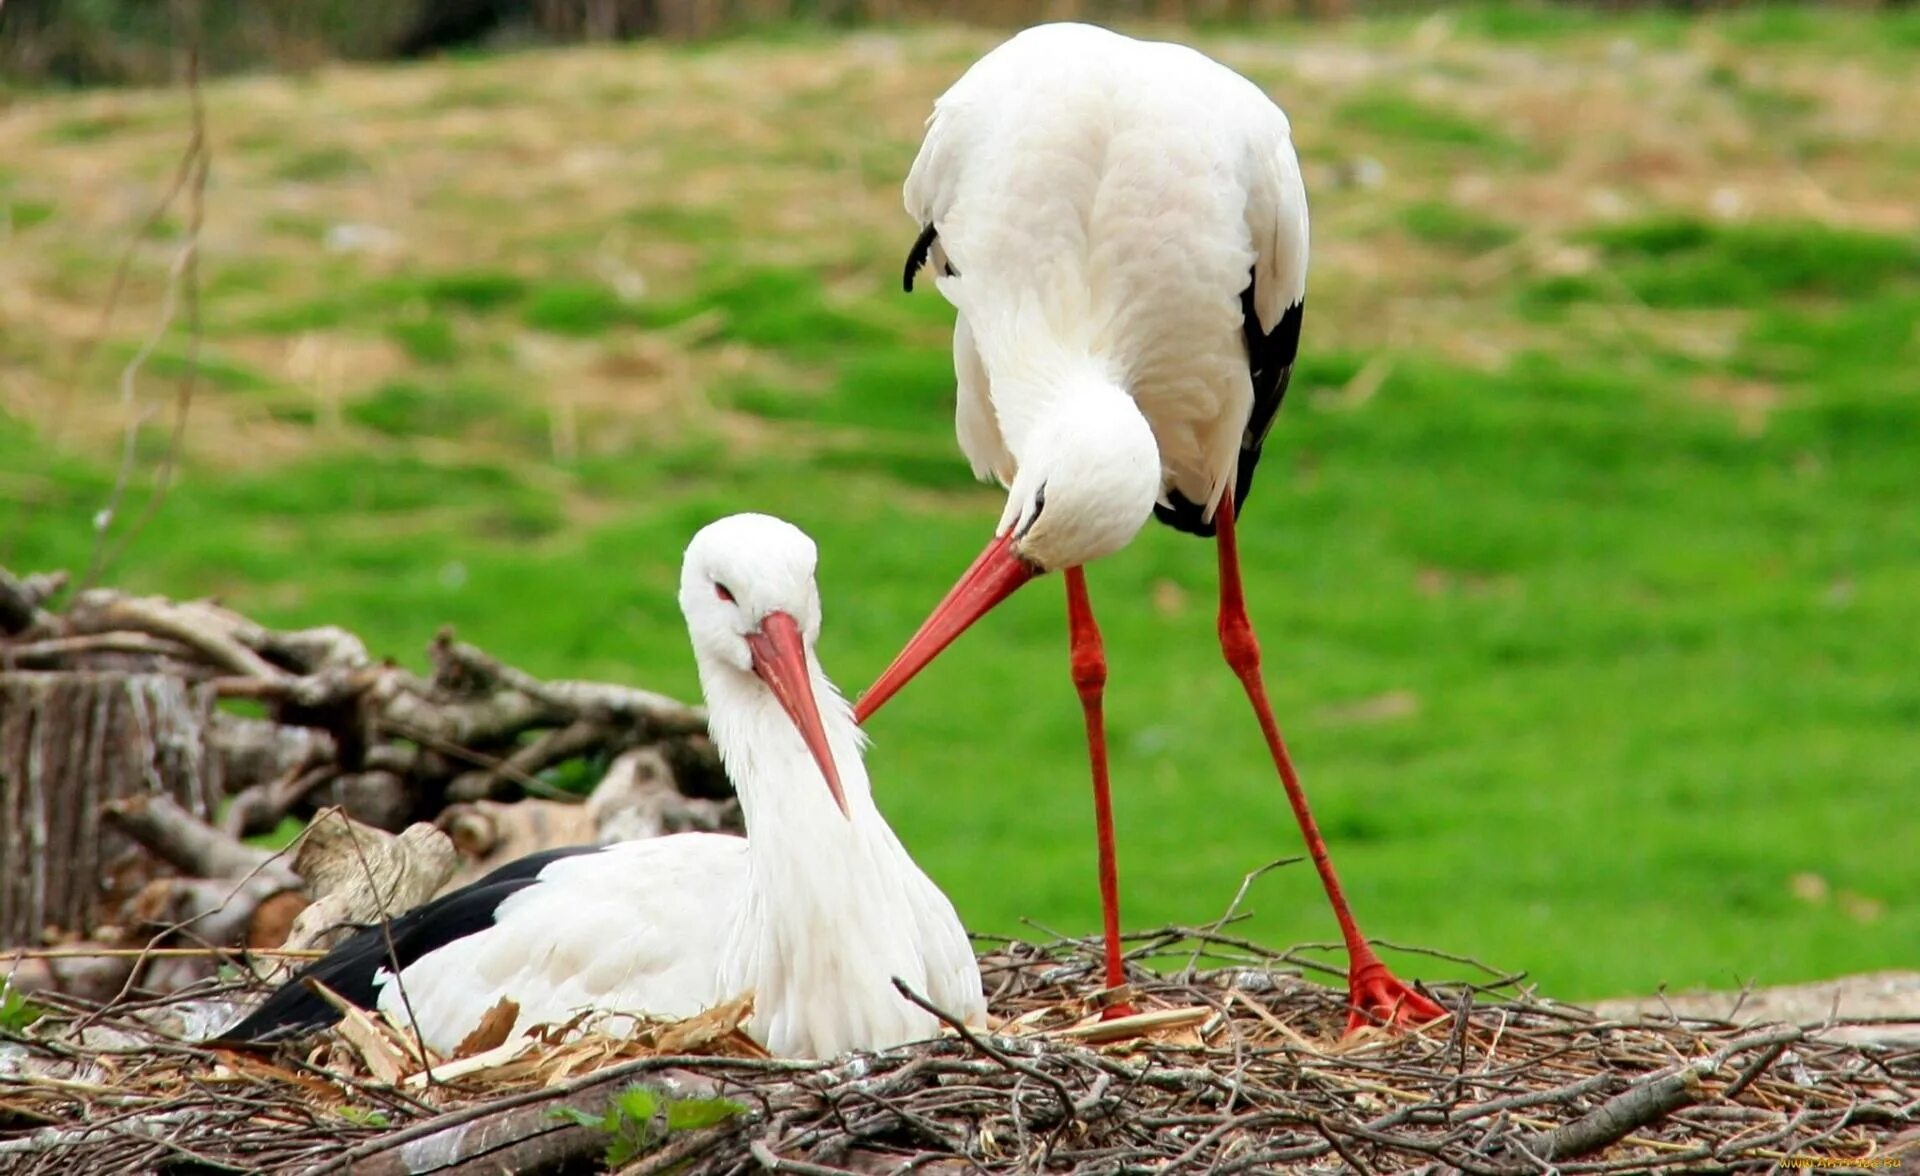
column 1376, row 996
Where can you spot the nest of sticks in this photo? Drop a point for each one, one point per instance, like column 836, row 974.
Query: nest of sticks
column 1235, row 1063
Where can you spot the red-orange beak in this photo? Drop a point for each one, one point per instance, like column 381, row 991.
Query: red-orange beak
column 780, row 658
column 996, row 575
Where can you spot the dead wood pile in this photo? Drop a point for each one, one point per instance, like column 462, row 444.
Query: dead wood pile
column 143, row 739
column 1235, row 1068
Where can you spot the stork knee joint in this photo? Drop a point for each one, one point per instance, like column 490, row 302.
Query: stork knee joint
column 1238, row 643
column 1089, row 670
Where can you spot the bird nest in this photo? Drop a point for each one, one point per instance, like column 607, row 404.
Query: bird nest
column 1235, row 1063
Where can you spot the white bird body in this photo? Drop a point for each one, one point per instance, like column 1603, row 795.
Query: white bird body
column 1103, row 203
column 814, row 913
column 1121, row 226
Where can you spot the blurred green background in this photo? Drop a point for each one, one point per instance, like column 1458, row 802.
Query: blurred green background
column 1585, row 553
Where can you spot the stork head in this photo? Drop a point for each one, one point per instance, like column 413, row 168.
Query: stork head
column 1086, row 484
column 1088, row 478
column 753, row 610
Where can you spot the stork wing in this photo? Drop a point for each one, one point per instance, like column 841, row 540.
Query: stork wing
column 351, row 968
column 1275, row 300
column 1271, row 308
column 928, row 193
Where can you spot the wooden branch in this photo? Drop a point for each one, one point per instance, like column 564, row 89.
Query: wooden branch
column 456, row 661
column 57, row 651
column 102, row 610
column 186, row 842
column 311, row 651
column 1620, row 1116
column 554, row 747
column 261, row 807
column 253, row 751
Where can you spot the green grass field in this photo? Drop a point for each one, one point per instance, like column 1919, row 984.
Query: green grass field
column 1585, row 553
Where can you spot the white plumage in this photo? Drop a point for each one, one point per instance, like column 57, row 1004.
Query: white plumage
column 814, row 913
column 1102, row 203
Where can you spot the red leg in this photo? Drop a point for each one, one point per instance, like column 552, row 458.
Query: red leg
column 1375, row 995
column 1090, row 679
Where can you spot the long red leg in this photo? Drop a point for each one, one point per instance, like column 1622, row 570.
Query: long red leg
column 1090, row 679
column 1375, row 995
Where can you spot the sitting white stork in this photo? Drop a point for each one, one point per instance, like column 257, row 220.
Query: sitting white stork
column 1122, row 228
column 815, row 912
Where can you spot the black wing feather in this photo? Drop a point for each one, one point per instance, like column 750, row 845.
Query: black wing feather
column 917, row 257
column 1270, row 358
column 349, row 969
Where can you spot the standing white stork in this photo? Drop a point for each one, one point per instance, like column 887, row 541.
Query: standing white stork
column 1122, row 227
column 815, row 912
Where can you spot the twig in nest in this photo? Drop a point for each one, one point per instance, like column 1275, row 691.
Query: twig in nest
column 967, row 1035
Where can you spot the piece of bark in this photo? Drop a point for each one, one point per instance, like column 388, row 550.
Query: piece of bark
column 273, row 922
column 384, row 1060
column 359, row 875
column 494, row 1027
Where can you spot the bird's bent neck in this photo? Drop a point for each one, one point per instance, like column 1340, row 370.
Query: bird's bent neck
column 1056, row 396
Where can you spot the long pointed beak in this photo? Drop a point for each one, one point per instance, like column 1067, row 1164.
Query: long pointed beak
column 994, row 576
column 780, row 658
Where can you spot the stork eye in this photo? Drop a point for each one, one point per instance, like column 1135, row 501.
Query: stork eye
column 722, row 592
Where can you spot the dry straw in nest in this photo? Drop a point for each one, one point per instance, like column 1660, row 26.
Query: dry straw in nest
column 1240, row 1068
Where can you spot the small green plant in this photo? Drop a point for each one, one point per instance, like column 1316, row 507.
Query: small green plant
column 16, row 1011
column 640, row 1118
column 363, row 1116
